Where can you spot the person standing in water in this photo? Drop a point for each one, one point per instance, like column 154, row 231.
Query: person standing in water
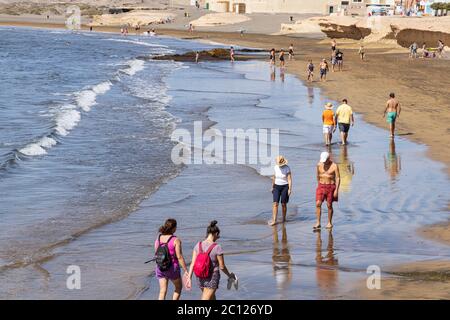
column 282, row 59
column 197, row 56
column 175, row 257
column 208, row 277
column 291, row 51
column 329, row 123
column 310, row 71
column 328, row 179
column 281, row 188
column 344, row 117
column 232, row 54
column 392, row 112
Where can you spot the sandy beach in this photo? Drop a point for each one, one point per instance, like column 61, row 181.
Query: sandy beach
column 421, row 86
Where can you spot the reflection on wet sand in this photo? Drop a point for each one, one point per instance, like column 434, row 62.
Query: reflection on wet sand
column 326, row 266
column 310, row 95
column 281, row 259
column 392, row 161
column 346, row 169
column 273, row 75
column 282, row 74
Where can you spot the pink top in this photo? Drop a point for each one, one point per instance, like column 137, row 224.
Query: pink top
column 172, row 251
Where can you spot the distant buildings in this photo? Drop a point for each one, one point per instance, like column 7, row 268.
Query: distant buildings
column 296, row 6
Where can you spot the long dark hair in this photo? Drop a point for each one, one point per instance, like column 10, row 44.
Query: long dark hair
column 212, row 228
column 169, row 227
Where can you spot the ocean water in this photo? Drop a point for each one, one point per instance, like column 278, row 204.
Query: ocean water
column 86, row 174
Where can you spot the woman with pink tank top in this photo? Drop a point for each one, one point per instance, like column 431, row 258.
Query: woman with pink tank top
column 173, row 274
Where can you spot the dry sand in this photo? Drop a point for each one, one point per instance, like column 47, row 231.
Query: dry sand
column 218, row 19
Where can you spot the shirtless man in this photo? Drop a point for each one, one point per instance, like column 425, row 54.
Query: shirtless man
column 392, row 112
column 328, row 189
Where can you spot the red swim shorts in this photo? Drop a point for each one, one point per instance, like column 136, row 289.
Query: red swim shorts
column 326, row 191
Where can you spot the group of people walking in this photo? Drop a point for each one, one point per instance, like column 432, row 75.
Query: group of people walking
column 207, row 262
column 281, row 56
column 426, row 52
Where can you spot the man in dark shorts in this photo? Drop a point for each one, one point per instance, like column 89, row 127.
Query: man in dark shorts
column 344, row 117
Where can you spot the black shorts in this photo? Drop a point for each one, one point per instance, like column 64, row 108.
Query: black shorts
column 281, row 193
column 344, row 127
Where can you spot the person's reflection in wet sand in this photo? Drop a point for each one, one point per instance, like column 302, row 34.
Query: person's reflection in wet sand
column 281, row 259
column 282, row 74
column 326, row 266
column 346, row 169
column 273, row 75
column 392, row 161
column 310, row 95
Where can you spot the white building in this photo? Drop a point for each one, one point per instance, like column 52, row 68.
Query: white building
column 293, row 6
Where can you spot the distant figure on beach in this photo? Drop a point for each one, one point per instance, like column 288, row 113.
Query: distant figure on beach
column 392, row 112
column 440, row 48
column 281, row 188
column 310, row 71
column 340, row 59
column 329, row 123
column 328, row 189
column 344, row 117
column 291, row 51
column 362, row 52
column 232, row 54
column 169, row 258
column 191, row 28
column 413, row 50
column 282, row 59
column 324, row 70
column 333, row 45
column 90, row 28
column 197, row 56
column 207, row 262
column 272, row 56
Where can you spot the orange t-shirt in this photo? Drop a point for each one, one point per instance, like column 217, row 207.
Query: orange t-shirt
column 328, row 117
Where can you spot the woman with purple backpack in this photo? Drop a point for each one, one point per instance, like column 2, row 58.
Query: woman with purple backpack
column 169, row 258
column 207, row 262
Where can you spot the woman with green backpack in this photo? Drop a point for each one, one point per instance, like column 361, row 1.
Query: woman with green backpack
column 169, row 258
column 207, row 261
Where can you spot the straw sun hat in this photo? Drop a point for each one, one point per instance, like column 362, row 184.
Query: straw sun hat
column 281, row 161
column 329, row 106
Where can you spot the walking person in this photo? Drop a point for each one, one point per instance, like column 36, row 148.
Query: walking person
column 333, row 61
column 344, row 117
column 207, row 262
column 413, row 50
column 440, row 48
column 328, row 179
column 281, row 188
column 392, row 112
column 169, row 258
column 282, row 59
column 272, row 56
column 362, row 52
column 329, row 123
column 340, row 60
column 310, row 71
column 324, row 68
column 291, row 51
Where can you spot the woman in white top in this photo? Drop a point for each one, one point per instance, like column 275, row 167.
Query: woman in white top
column 281, row 188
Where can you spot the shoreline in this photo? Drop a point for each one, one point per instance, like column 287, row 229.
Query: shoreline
column 432, row 231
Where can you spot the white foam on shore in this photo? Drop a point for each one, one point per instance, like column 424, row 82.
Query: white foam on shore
column 87, row 98
column 141, row 43
column 135, row 66
column 38, row 148
column 66, row 120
